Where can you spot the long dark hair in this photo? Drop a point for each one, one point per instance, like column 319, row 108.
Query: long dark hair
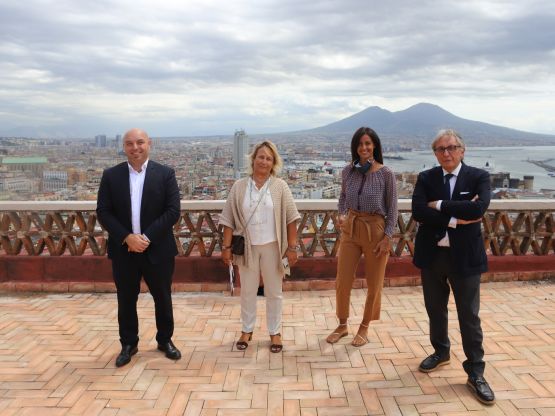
column 355, row 141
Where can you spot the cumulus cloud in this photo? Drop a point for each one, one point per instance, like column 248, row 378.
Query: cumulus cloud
column 210, row 66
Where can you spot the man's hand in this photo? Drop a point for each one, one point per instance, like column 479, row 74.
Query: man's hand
column 136, row 243
column 464, row 222
column 433, row 204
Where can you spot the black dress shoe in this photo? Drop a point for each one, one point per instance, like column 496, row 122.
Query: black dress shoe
column 171, row 351
column 432, row 362
column 481, row 389
column 125, row 355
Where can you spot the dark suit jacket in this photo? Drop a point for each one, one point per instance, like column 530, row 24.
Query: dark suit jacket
column 160, row 210
column 467, row 246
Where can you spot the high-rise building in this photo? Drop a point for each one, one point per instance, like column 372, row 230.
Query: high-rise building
column 117, row 141
column 240, row 152
column 100, row 140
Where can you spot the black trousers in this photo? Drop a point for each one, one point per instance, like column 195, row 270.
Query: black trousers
column 127, row 272
column 436, row 284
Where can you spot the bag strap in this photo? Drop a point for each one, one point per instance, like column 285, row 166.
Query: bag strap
column 267, row 186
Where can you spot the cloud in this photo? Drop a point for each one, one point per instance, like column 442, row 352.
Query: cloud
column 208, row 67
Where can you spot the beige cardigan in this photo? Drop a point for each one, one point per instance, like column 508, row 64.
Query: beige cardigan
column 285, row 212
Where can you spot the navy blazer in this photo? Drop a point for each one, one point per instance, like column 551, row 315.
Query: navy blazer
column 468, row 254
column 160, row 210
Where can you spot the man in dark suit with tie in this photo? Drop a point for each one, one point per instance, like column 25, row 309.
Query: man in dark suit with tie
column 138, row 204
column 449, row 202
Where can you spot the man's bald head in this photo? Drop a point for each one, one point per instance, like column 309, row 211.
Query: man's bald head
column 136, row 145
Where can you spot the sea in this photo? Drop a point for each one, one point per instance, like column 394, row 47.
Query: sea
column 514, row 160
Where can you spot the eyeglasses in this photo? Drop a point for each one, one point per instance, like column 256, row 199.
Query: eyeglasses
column 450, row 149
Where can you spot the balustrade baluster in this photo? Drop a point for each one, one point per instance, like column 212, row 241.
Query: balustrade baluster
column 43, row 228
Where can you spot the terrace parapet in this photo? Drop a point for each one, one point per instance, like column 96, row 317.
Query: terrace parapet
column 518, row 236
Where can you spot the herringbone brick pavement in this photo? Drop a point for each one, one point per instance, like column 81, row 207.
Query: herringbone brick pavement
column 57, row 357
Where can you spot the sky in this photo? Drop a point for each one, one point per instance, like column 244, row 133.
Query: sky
column 209, row 67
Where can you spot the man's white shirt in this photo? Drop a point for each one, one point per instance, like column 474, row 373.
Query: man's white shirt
column 444, row 242
column 136, row 184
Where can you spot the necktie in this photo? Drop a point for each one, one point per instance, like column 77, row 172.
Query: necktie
column 447, row 189
column 447, row 186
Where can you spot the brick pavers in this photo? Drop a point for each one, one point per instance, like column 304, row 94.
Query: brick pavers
column 57, row 357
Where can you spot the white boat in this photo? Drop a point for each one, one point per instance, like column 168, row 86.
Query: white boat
column 489, row 166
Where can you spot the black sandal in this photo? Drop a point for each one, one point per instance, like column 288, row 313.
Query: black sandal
column 242, row 345
column 275, row 347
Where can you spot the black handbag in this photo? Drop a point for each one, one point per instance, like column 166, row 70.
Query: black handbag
column 238, row 245
column 238, row 241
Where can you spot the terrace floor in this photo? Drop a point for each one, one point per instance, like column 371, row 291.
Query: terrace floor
column 57, row 356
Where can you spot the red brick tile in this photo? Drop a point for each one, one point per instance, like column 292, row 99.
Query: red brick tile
column 81, row 287
column 402, row 281
column 106, row 287
column 66, row 346
column 28, row 286
column 214, row 287
column 55, row 287
column 322, row 285
column 7, row 286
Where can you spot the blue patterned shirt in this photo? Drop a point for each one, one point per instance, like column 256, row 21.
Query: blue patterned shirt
column 374, row 193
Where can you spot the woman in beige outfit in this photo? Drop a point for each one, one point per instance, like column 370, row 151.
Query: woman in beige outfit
column 261, row 208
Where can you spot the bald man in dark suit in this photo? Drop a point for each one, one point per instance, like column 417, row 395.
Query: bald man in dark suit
column 138, row 204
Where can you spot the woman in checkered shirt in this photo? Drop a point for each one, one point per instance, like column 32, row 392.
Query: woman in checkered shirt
column 367, row 217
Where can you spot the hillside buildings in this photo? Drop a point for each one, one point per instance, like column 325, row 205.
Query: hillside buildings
column 205, row 168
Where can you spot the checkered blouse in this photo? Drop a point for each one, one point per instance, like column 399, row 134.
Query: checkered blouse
column 374, row 192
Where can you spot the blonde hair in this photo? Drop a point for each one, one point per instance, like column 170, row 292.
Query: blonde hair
column 278, row 161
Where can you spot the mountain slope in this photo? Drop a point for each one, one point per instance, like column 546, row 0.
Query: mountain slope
column 423, row 120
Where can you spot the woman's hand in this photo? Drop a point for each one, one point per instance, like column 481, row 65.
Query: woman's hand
column 226, row 256
column 226, row 246
column 383, row 247
column 341, row 220
column 292, row 257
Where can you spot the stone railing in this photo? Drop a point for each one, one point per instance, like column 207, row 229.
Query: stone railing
column 517, row 227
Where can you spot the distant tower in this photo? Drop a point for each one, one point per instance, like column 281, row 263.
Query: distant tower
column 240, row 152
column 528, row 182
column 100, row 140
column 117, row 142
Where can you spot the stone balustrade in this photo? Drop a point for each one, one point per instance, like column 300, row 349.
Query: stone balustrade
column 61, row 246
column 517, row 227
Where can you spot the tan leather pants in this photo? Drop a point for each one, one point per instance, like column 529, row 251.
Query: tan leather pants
column 360, row 233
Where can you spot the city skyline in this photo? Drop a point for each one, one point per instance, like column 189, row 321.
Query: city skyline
column 208, row 68
column 71, row 169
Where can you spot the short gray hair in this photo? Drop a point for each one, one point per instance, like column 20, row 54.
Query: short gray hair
column 450, row 133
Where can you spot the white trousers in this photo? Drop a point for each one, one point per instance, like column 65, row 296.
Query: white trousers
column 266, row 258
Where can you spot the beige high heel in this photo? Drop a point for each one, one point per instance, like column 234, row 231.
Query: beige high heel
column 336, row 336
column 359, row 340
